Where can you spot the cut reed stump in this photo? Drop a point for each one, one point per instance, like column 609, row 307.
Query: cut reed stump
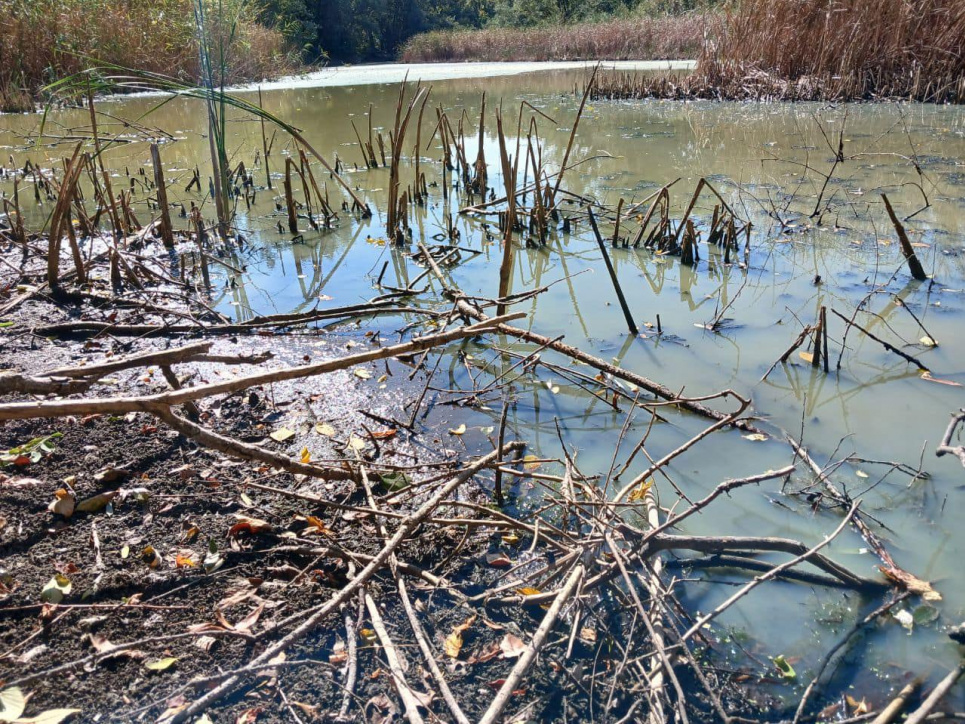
column 914, row 266
column 167, row 231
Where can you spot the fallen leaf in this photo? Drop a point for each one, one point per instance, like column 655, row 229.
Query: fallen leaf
column 588, row 635
column 861, row 473
column 461, row 430
column 755, row 437
column 487, row 653
column 528, row 591
column 787, row 671
column 63, row 503
column 356, row 443
column 928, row 341
column 512, row 646
column 906, row 620
column 184, row 560
column 639, row 493
column 857, row 707
column 531, row 462
column 97, row 502
column 247, row 524
column 806, row 356
column 12, row 703
column 56, row 589
column 282, row 434
column 51, row 716
column 161, row 664
column 363, row 374
column 323, row 428
column 453, row 645
column 305, row 457
column 498, row 560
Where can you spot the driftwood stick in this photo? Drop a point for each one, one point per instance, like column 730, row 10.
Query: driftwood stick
column 495, row 710
column 151, row 403
column 891, row 348
column 654, row 388
column 945, row 446
column 774, row 572
column 936, row 695
column 409, row 700
column 894, row 708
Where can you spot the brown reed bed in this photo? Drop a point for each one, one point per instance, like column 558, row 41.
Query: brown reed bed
column 821, row 50
column 44, row 40
column 664, row 38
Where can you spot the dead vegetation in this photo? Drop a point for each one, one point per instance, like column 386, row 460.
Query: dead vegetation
column 392, row 577
column 838, row 50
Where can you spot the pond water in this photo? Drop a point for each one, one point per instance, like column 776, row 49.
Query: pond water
column 766, row 161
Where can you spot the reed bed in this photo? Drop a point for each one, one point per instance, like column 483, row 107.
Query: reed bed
column 664, row 38
column 821, row 50
column 44, row 40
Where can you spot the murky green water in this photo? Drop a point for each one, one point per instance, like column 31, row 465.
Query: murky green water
column 766, row 161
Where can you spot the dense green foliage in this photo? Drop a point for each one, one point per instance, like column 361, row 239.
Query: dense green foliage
column 355, row 30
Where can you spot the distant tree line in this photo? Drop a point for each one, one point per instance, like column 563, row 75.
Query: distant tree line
column 358, row 30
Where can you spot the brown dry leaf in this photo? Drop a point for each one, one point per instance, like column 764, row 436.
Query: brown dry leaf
column 588, row 635
column 97, row 502
column 498, row 560
column 251, row 619
column 857, row 707
column 530, row 463
column 311, row 712
column 63, row 503
column 512, row 646
column 316, row 526
column 384, row 434
column 205, row 643
column 185, row 559
column 487, row 653
column 247, row 524
column 249, row 716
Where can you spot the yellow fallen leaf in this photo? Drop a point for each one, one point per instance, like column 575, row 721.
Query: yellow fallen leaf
column 282, row 434
column 323, row 428
column 461, row 430
column 306, row 457
column 641, row 492
column 755, row 437
column 363, row 374
column 806, row 356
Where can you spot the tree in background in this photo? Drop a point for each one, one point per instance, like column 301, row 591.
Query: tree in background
column 356, row 30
